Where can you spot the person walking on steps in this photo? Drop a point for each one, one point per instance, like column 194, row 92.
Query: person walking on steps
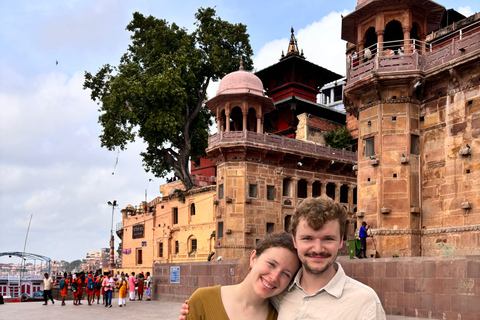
column 362, row 234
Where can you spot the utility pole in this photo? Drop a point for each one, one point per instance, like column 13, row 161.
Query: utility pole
column 112, row 253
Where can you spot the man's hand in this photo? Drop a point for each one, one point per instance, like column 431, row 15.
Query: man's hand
column 184, row 311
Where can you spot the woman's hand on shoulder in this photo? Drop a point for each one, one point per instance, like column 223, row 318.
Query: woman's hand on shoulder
column 184, row 311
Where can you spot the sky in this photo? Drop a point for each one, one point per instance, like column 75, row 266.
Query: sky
column 52, row 167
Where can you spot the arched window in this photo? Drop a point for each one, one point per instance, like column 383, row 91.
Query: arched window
column 223, row 119
column 192, row 244
column 316, row 189
column 331, row 190
column 370, row 39
column 236, row 119
column 192, row 209
column 252, row 120
column 287, row 187
column 344, row 194
column 393, row 36
column 302, row 188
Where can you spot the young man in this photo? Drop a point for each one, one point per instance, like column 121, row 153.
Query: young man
column 321, row 290
column 47, row 289
column 362, row 234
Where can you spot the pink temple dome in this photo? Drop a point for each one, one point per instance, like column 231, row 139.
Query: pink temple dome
column 241, row 82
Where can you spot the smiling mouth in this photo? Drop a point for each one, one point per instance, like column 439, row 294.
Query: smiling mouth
column 266, row 284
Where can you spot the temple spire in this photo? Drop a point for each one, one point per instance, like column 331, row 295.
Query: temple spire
column 241, row 64
column 292, row 47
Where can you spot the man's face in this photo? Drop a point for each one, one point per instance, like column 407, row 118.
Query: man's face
column 46, row 275
column 318, row 249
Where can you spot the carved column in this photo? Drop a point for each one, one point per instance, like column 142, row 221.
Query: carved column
column 259, row 124
column 350, row 198
column 323, row 188
column 380, row 34
column 337, row 192
column 244, row 121
column 295, row 190
column 406, row 40
column 309, row 188
column 227, row 117
column 360, row 46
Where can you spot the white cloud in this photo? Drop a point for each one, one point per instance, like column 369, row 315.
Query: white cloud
column 466, row 11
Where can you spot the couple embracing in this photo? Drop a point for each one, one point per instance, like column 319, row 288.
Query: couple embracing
column 273, row 289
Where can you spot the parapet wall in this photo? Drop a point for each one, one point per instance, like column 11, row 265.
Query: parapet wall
column 425, row 287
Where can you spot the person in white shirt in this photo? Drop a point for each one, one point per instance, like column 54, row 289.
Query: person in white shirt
column 47, row 288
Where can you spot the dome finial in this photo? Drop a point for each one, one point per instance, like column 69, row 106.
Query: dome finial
column 241, row 64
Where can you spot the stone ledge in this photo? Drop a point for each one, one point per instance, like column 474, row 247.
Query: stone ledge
column 433, row 231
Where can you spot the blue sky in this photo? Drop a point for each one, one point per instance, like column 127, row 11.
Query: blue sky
column 51, row 163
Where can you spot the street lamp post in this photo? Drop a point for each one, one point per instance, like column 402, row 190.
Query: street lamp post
column 112, row 254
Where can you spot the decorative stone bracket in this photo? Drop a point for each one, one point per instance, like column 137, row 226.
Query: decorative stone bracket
column 405, row 160
column 374, row 162
column 248, row 200
column 385, row 210
column 415, row 210
column 466, row 205
column 360, row 214
column 228, row 231
column 464, row 152
column 228, row 200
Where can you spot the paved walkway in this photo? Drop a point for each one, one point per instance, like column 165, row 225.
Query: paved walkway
column 144, row 310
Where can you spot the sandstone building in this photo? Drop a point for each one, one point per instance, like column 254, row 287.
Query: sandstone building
column 267, row 155
column 413, row 101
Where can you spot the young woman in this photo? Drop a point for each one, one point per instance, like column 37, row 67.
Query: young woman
column 273, row 265
column 64, row 289
column 122, row 291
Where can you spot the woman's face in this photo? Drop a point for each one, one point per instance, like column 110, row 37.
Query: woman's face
column 273, row 270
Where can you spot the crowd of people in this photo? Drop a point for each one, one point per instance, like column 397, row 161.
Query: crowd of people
column 97, row 284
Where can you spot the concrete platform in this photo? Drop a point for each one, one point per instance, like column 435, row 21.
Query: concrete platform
column 134, row 310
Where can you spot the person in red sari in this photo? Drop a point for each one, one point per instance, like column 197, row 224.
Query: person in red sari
column 63, row 292
column 141, row 278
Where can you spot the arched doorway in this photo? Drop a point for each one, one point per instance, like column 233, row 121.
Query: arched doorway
column 393, row 37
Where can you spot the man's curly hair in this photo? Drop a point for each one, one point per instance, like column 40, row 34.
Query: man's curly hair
column 318, row 211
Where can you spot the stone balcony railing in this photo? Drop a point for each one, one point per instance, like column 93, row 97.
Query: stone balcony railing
column 279, row 143
column 421, row 57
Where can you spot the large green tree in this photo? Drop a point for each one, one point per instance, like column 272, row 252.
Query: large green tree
column 158, row 90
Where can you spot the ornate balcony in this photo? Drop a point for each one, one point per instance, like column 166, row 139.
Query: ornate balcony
column 280, row 143
column 406, row 56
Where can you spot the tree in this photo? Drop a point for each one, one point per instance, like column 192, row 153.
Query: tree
column 119, row 250
column 158, row 90
column 75, row 264
column 338, row 139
